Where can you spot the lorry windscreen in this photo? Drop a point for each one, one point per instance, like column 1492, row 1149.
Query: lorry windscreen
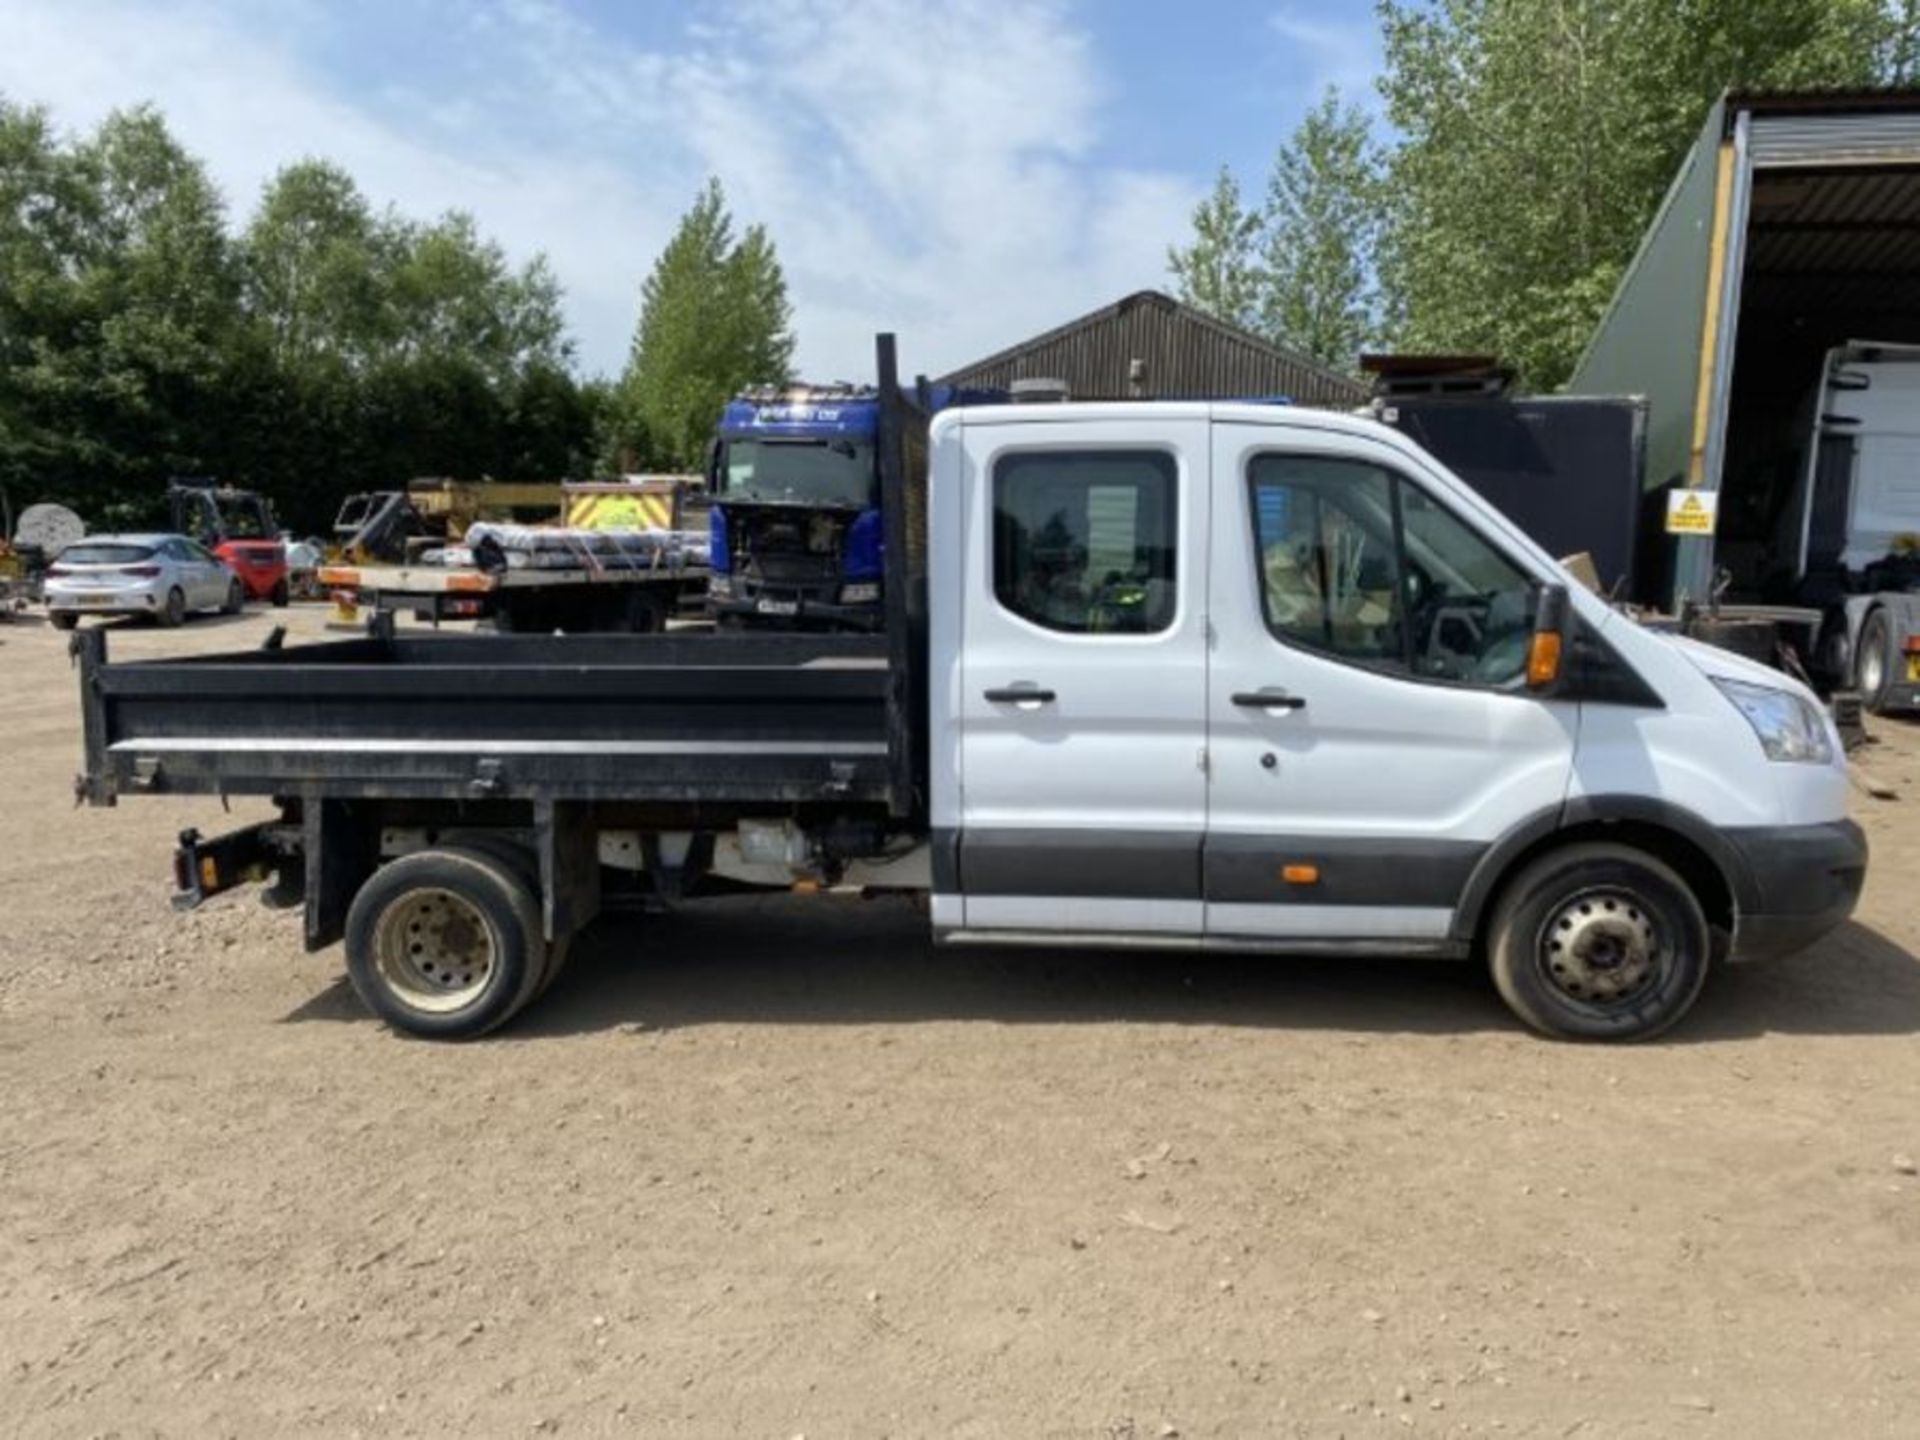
column 799, row 472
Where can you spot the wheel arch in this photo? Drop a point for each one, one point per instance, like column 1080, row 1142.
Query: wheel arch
column 1692, row 848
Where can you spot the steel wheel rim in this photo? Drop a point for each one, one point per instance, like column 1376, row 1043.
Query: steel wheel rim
column 1873, row 666
column 1603, row 949
column 435, row 950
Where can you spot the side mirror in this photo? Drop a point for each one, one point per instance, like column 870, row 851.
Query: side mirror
column 713, row 467
column 1547, row 653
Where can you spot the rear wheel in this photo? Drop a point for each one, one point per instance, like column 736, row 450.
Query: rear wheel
column 1598, row 942
column 1873, row 662
column 174, row 610
column 281, row 593
column 446, row 943
column 236, row 598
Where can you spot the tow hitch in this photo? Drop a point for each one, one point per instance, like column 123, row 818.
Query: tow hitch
column 204, row 868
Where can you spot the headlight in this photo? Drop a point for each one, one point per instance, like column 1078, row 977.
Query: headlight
column 1789, row 728
column 862, row 594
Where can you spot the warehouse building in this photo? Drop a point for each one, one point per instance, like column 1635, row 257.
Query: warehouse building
column 1150, row 346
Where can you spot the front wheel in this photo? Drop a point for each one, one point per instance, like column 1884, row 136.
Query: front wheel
column 236, row 599
column 1598, row 942
column 446, row 944
column 282, row 593
column 63, row 619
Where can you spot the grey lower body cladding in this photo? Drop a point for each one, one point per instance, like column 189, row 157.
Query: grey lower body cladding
column 1224, row 869
column 1790, row 884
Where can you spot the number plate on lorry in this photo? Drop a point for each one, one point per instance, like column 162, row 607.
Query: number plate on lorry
column 777, row 607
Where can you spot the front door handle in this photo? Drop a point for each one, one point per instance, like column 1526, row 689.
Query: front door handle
column 1273, row 699
column 1020, row 695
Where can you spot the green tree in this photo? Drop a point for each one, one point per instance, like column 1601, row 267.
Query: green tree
column 714, row 318
column 123, row 308
column 313, row 258
column 1537, row 137
column 1218, row 270
column 1322, row 223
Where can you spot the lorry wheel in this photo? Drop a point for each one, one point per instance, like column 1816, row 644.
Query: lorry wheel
column 446, row 943
column 174, row 610
column 236, row 599
column 1873, row 662
column 1598, row 942
column 282, row 592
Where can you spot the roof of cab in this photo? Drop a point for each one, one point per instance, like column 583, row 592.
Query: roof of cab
column 1239, row 412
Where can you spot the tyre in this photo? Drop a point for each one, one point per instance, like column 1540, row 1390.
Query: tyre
column 524, row 863
column 63, row 619
column 446, row 943
column 174, row 611
column 1873, row 662
column 236, row 600
column 1598, row 942
column 282, row 592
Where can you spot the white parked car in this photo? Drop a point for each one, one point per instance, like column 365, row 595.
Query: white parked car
column 165, row 576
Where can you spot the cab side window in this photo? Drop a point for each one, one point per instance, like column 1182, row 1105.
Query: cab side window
column 1083, row 541
column 1361, row 565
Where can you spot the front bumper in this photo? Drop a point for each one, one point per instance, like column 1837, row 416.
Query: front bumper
column 806, row 610
column 1802, row 882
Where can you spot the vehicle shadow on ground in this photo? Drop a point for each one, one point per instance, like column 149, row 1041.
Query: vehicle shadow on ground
column 845, row 962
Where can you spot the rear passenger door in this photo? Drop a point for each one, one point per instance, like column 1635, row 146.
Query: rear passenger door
column 1082, row 698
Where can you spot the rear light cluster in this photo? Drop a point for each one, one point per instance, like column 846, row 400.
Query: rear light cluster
column 141, row 572
column 145, row 572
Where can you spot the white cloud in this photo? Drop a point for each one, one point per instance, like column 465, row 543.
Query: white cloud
column 1341, row 49
column 921, row 168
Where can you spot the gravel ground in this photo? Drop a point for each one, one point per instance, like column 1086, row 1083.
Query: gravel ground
column 776, row 1168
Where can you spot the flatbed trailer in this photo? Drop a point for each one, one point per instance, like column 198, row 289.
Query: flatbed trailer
column 574, row 599
column 1121, row 699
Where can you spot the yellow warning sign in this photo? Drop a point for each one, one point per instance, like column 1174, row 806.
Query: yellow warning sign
column 1692, row 512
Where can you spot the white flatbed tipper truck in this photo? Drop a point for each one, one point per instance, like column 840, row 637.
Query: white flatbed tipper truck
column 1194, row 675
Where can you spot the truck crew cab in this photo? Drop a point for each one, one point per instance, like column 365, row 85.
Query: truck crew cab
column 1195, row 675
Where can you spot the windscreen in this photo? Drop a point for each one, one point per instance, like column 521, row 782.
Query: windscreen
column 799, row 472
column 84, row 554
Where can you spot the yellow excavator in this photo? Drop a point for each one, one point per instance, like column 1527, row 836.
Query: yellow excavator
column 395, row 525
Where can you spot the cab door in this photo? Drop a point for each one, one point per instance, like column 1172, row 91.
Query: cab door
column 1082, row 689
column 1370, row 731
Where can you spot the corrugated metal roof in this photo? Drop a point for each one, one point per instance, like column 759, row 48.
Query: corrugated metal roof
column 1820, row 102
column 1842, row 240
column 1181, row 353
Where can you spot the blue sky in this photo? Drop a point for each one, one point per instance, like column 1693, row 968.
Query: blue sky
column 965, row 173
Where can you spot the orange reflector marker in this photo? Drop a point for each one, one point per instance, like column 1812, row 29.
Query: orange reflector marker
column 1912, row 646
column 1543, row 659
column 209, row 873
column 1300, row 874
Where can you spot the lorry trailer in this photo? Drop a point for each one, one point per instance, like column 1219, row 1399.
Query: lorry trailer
column 1197, row 675
column 1769, row 320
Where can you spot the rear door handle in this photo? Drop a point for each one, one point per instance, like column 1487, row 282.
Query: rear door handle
column 1020, row 694
column 1269, row 700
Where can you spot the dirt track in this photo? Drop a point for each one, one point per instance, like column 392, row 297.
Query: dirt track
column 778, row 1168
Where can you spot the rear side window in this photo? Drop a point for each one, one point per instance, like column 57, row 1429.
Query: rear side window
column 105, row 554
column 1083, row 541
